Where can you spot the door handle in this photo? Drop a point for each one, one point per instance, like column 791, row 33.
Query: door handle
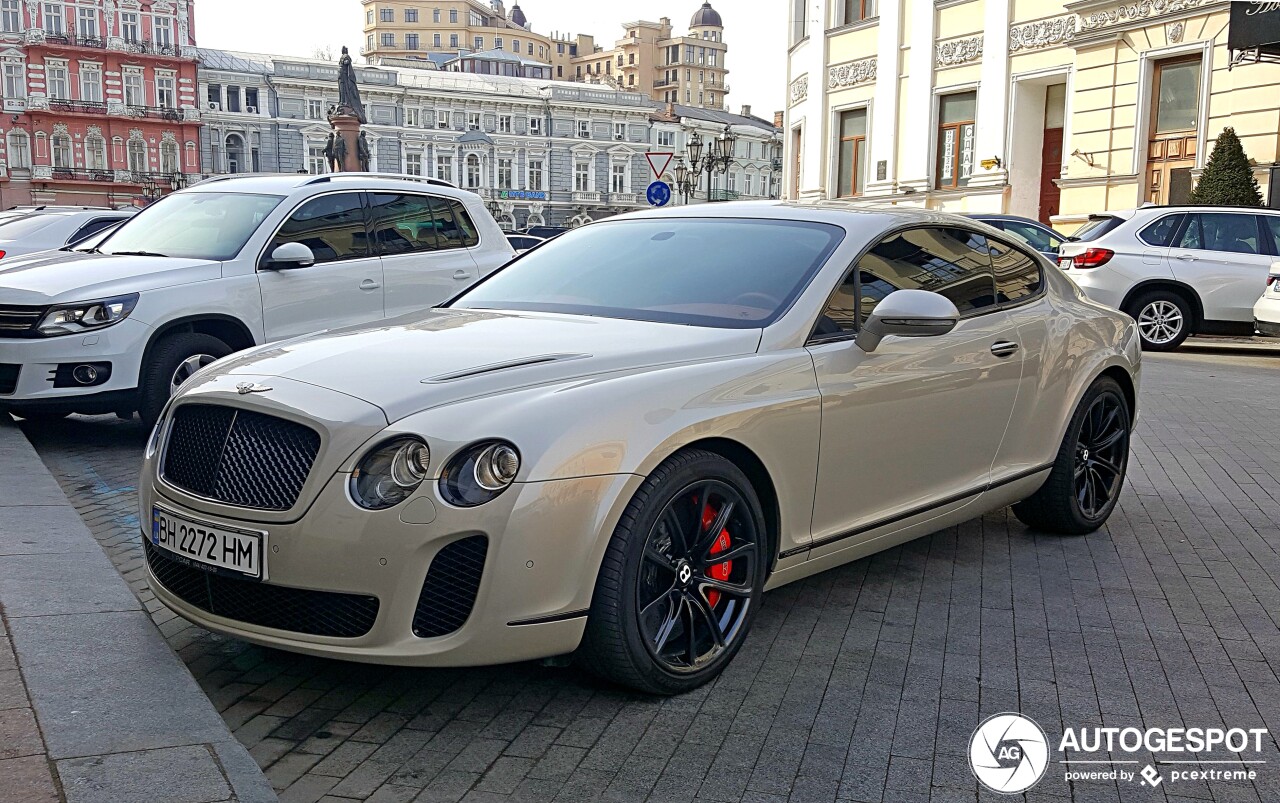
column 1004, row 348
column 1188, row 257
column 369, row 284
column 461, row 275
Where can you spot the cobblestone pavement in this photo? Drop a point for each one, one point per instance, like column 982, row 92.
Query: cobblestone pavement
column 863, row 684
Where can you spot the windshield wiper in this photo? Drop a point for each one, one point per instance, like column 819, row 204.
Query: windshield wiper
column 137, row 254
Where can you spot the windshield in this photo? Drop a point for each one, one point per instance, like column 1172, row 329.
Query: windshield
column 730, row 273
column 27, row 226
column 194, row 225
column 1095, row 228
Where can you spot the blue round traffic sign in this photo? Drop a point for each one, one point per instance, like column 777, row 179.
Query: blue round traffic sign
column 659, row 193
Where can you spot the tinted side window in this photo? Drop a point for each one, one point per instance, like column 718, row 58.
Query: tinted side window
column 93, row 227
column 470, row 234
column 1036, row 237
column 1017, row 274
column 952, row 262
column 1232, row 233
column 1160, row 233
column 1271, row 225
column 404, row 223
column 332, row 226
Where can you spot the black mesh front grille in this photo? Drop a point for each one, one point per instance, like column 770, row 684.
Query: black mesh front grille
column 298, row 610
column 9, row 378
column 20, row 321
column 449, row 593
column 239, row 457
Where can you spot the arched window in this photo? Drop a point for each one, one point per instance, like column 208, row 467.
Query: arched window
column 95, row 152
column 19, row 150
column 473, row 171
column 169, row 157
column 138, row 155
column 60, row 147
column 235, row 153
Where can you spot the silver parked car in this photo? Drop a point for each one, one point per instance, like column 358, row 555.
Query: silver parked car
column 47, row 229
column 613, row 446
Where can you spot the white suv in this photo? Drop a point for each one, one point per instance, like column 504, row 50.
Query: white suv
column 1178, row 270
column 222, row 266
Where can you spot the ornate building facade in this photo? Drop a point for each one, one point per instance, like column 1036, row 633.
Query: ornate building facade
column 412, row 29
column 99, row 99
column 1039, row 108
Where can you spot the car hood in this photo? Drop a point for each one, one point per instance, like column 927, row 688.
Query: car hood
column 52, row 277
column 411, row 364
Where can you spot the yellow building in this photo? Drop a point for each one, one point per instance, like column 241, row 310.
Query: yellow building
column 412, row 28
column 1039, row 108
column 650, row 58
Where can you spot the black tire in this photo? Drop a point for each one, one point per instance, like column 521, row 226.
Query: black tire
column 615, row 646
column 1060, row 506
column 163, row 361
column 1165, row 319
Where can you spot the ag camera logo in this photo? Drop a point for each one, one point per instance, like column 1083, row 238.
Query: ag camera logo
column 1009, row 753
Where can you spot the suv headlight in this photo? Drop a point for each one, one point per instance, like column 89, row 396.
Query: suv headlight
column 72, row 319
column 479, row 473
column 390, row 473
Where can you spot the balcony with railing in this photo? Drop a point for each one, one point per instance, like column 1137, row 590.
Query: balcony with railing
column 624, row 199
column 148, row 47
column 69, row 39
column 155, row 112
column 724, row 195
column 587, row 197
column 69, row 106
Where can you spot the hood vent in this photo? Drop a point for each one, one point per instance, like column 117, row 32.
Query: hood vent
column 502, row 366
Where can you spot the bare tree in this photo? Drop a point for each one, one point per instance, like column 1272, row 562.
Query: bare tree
column 324, row 53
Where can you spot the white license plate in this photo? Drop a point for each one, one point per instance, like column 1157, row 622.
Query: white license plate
column 210, row 545
column 1066, row 263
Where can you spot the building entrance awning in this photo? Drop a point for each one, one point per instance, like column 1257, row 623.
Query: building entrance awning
column 1254, row 32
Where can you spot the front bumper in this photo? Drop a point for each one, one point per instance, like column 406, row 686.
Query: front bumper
column 120, row 345
column 545, row 541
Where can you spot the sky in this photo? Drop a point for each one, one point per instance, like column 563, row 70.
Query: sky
column 756, row 58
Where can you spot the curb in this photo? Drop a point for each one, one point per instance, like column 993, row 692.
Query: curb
column 119, row 713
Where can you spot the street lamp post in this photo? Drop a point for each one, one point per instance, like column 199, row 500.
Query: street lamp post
column 706, row 157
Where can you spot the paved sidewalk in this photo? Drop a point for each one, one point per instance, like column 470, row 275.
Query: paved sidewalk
column 94, row 706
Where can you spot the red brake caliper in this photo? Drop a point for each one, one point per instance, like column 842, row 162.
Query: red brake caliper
column 721, row 570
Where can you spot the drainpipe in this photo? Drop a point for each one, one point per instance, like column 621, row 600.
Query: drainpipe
column 275, row 122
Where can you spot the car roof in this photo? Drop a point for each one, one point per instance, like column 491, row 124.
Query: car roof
column 290, row 183
column 1014, row 218
column 846, row 214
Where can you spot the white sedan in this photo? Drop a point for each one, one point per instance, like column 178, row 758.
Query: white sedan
column 1266, row 313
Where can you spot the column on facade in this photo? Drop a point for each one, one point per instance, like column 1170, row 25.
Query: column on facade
column 884, row 111
column 993, row 96
column 917, row 132
column 810, row 59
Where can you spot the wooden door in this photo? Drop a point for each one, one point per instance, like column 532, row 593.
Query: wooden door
column 1050, row 169
column 1169, row 165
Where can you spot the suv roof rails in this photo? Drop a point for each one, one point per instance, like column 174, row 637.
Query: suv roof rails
column 328, row 177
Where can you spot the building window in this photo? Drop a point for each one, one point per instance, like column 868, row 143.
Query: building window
column 411, row 15
column 435, row 15
column 90, row 83
column 453, row 16
column 56, row 77
column 473, row 171
column 53, row 19
column 411, row 41
column 19, row 148
column 853, row 153
column 435, row 40
column 581, row 176
column 133, row 89
column 315, row 159
column 497, row 43
column 473, row 121
column 504, row 124
column 95, row 152
column 1177, row 96
column 799, row 20
column 388, row 40
column 858, row 10
column 453, row 40
column 666, row 139
column 166, row 94
column 368, row 17
column 233, row 97
column 733, row 181
column 368, row 42
column 477, row 43
column 413, row 163
column 535, row 174
column 619, row 130
column 529, row 45
column 442, row 118
column 412, row 117
column 130, row 28
column 748, row 187
column 515, row 45
column 584, row 129
column 11, row 16
column 387, row 14
column 315, row 109
column 618, row 178
column 444, row 168
column 87, row 23
column 15, row 81
column 137, row 155
column 169, row 157
column 162, row 30
column 535, row 126
column 505, row 169
column 60, row 147
column 956, row 114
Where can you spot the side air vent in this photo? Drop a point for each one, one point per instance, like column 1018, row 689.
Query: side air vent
column 502, row 366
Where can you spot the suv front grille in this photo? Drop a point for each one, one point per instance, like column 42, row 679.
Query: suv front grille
column 239, row 457
column 449, row 592
column 20, row 321
column 298, row 610
column 9, row 378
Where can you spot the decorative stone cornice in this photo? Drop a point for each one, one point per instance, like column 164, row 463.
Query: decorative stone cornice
column 1131, row 12
column 1042, row 33
column 956, row 52
column 799, row 90
column 852, row 73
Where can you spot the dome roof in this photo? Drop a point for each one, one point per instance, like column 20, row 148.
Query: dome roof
column 518, row 17
column 706, row 17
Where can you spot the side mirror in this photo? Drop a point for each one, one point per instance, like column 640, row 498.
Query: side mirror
column 290, row 256
column 908, row 313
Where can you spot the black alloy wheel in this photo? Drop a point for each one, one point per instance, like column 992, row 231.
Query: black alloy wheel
column 1102, row 451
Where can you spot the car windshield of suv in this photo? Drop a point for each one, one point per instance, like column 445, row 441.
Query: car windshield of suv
column 27, row 226
column 719, row 272
column 193, row 225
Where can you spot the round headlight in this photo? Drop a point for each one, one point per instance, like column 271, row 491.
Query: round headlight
column 479, row 473
column 390, row 473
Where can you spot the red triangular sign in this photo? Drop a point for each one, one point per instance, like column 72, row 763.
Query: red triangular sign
column 659, row 162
